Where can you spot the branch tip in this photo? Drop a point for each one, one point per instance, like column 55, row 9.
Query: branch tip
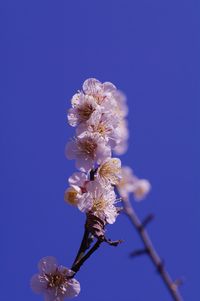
column 149, row 218
column 113, row 243
column 139, row 252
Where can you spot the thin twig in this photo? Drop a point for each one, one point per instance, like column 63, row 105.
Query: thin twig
column 151, row 252
column 76, row 267
column 83, row 247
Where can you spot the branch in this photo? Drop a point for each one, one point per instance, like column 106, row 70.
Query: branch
column 150, row 251
column 76, row 267
column 83, row 247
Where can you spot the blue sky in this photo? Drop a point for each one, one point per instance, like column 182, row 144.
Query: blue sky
column 148, row 49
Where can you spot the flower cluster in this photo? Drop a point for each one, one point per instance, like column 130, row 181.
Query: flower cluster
column 98, row 112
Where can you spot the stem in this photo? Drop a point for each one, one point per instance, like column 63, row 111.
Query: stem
column 83, row 247
column 76, row 267
column 151, row 252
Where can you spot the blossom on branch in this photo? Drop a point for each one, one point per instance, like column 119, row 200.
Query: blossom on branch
column 100, row 201
column 54, row 281
column 77, row 187
column 109, row 172
column 84, row 109
column 101, row 109
column 129, row 183
column 88, row 149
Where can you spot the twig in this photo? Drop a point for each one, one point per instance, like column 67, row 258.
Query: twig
column 76, row 267
column 147, row 220
column 83, row 247
column 139, row 252
column 151, row 252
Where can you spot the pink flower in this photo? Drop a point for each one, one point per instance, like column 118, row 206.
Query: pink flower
column 126, row 184
column 129, row 183
column 121, row 107
column 100, row 201
column 54, row 281
column 123, row 135
column 109, row 172
column 105, row 127
column 77, row 187
column 141, row 189
column 102, row 92
column 88, row 149
column 84, row 109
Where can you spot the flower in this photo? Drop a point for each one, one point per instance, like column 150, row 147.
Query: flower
column 141, row 189
column 126, row 184
column 121, row 108
column 102, row 92
column 84, row 109
column 77, row 187
column 100, row 201
column 72, row 195
column 129, row 183
column 105, row 126
column 109, row 172
column 54, row 281
column 88, row 149
column 123, row 135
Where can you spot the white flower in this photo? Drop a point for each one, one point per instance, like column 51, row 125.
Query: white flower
column 129, row 183
column 102, row 92
column 88, row 149
column 54, row 281
column 100, row 201
column 123, row 134
column 77, row 187
column 109, row 172
column 84, row 109
column 126, row 184
column 105, row 127
column 141, row 189
column 121, row 108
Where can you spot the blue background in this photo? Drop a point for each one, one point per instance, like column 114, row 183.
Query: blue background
column 150, row 50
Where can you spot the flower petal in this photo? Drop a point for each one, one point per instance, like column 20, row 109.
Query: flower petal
column 38, row 284
column 47, row 265
column 92, row 86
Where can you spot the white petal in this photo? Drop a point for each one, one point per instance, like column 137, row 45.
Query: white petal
column 72, row 288
column 85, row 202
column 103, row 153
column 38, row 284
column 72, row 117
column 78, row 179
column 47, row 264
column 92, row 86
column 50, row 296
column 108, row 87
column 84, row 164
column 70, row 150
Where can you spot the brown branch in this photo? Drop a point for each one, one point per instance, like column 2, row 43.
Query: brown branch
column 171, row 285
column 76, row 267
column 83, row 247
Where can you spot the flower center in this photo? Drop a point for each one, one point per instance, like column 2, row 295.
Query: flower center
column 87, row 147
column 99, row 98
column 110, row 170
column 102, row 129
column 55, row 280
column 98, row 204
column 71, row 196
column 85, row 111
